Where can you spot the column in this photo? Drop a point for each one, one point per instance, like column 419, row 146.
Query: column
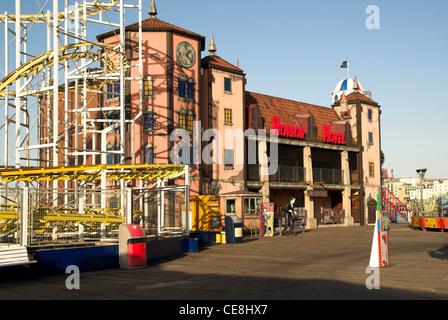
column 309, row 203
column 264, row 169
column 346, row 193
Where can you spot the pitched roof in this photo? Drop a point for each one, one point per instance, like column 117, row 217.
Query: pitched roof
column 155, row 24
column 286, row 109
column 219, row 63
column 357, row 96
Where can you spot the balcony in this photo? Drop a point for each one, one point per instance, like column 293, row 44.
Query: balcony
column 331, row 176
column 297, row 175
column 283, row 174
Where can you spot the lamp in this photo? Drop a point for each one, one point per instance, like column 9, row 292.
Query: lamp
column 421, row 174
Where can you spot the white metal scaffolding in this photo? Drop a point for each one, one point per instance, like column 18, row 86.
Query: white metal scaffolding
column 53, row 93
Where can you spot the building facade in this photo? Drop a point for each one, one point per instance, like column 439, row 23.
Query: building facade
column 245, row 147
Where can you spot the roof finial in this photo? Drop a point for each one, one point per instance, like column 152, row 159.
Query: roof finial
column 355, row 84
column 152, row 9
column 212, row 47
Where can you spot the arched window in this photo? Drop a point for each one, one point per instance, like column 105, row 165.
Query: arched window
column 182, row 87
column 110, row 157
column 190, row 89
column 190, row 120
column 182, row 123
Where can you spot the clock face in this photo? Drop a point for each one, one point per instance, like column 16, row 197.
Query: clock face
column 186, row 55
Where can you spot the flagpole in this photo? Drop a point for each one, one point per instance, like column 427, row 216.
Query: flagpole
column 348, row 69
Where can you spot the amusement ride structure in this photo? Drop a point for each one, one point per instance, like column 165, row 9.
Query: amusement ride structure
column 55, row 125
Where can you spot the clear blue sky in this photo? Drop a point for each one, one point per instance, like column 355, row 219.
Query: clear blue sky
column 293, row 49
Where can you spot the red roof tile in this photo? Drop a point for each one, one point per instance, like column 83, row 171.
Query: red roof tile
column 154, row 24
column 219, row 63
column 357, row 96
column 286, row 109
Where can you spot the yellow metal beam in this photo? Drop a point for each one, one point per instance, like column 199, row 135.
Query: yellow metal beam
column 66, row 53
column 113, row 172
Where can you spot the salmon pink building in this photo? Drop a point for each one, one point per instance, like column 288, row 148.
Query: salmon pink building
column 245, row 147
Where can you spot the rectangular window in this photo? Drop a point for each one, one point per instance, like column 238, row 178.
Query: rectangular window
column 190, row 90
column 369, row 114
column 228, row 115
column 371, row 169
column 148, row 121
column 148, row 156
column 228, row 158
column 371, row 137
column 227, row 85
column 190, row 119
column 182, row 85
column 117, row 156
column 188, row 158
column 113, row 90
column 110, row 157
column 230, row 206
column 148, row 87
column 182, row 121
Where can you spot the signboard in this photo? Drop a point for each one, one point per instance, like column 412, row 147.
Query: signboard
column 286, row 131
column 317, row 193
column 379, row 255
column 332, row 137
column 267, row 219
column 328, row 216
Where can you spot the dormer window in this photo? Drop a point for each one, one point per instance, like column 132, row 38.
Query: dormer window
column 254, row 117
column 307, row 122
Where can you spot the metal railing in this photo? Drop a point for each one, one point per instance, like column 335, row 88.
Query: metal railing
column 332, row 176
column 283, row 174
column 10, row 208
column 297, row 175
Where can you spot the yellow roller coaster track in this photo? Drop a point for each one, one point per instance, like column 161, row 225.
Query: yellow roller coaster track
column 89, row 173
column 94, row 8
column 66, row 53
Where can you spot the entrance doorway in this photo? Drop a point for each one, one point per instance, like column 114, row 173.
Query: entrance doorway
column 371, row 210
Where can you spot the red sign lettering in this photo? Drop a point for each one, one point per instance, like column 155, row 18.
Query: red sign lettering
column 332, row 137
column 287, row 131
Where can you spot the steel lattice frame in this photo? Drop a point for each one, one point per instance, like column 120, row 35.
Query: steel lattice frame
column 64, row 67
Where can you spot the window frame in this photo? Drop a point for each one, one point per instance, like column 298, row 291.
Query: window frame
column 370, row 114
column 371, row 169
column 148, row 153
column 113, row 91
column 148, row 79
column 182, row 119
column 229, row 154
column 182, row 88
column 148, row 123
column 228, row 116
column 231, row 212
column 227, row 85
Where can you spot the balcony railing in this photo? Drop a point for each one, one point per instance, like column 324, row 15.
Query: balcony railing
column 332, row 176
column 283, row 174
column 297, row 175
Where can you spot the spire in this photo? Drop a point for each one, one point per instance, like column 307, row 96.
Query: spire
column 355, row 84
column 212, row 47
column 152, row 9
column 343, row 98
